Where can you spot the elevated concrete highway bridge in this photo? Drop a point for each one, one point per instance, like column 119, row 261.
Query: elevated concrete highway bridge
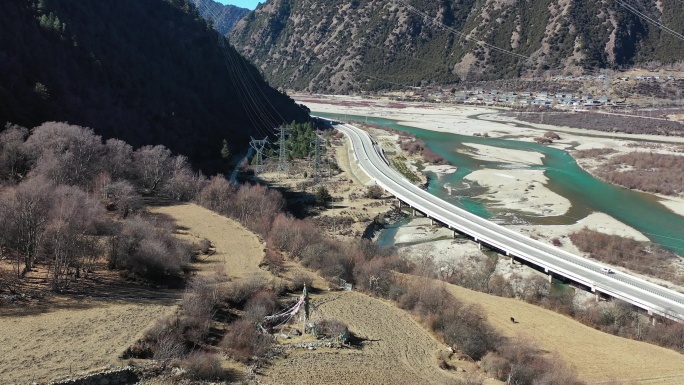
column 655, row 299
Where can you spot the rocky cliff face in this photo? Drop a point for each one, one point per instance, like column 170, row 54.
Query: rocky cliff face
column 340, row 45
column 224, row 17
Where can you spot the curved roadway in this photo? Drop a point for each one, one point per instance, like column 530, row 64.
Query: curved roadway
column 639, row 292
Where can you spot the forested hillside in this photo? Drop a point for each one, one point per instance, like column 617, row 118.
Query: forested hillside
column 338, row 45
column 147, row 72
column 224, row 17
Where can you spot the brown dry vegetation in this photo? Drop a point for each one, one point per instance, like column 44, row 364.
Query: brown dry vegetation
column 593, row 153
column 596, row 356
column 626, row 252
column 604, row 122
column 655, row 173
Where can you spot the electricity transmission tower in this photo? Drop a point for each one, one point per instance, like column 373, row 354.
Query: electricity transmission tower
column 282, row 158
column 258, row 146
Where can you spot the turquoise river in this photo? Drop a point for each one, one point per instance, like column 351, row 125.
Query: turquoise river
column 586, row 193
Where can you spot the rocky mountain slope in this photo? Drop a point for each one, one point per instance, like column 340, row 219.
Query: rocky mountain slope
column 224, row 17
column 339, row 45
column 147, row 72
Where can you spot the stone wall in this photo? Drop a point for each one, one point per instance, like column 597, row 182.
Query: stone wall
column 122, row 376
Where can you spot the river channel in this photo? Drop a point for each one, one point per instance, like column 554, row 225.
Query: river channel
column 587, row 194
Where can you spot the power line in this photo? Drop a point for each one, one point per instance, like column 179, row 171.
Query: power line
column 464, row 36
column 244, row 67
column 257, row 113
column 317, row 159
column 282, row 143
column 258, row 146
column 661, row 26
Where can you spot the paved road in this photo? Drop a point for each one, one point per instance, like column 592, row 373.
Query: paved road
column 617, row 284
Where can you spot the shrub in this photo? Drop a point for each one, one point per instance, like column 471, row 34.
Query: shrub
column 656, row 173
column 217, row 195
column 377, row 274
column 204, row 246
column 198, row 304
column 168, row 345
column 432, row 157
column 291, row 235
column 626, row 252
column 299, row 280
column 467, row 328
column 237, row 293
column 322, row 197
column 374, row 192
column 260, row 304
column 145, row 250
column 551, row 135
column 244, row 342
column 329, row 258
column 274, row 262
column 121, row 197
column 203, row 366
column 593, row 153
column 495, row 365
column 64, row 153
column 331, row 328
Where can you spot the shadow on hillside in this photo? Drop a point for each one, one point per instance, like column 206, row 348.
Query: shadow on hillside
column 159, row 201
column 102, row 288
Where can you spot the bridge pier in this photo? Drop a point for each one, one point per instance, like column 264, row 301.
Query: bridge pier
column 651, row 317
column 399, row 203
column 550, row 277
column 479, row 244
column 414, row 212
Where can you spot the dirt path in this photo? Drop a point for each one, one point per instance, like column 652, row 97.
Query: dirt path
column 397, row 350
column 238, row 250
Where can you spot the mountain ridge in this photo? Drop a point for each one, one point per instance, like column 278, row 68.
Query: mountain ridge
column 223, row 16
column 341, row 46
column 149, row 72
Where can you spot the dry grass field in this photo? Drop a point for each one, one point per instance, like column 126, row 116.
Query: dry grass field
column 82, row 337
column 396, row 350
column 597, row 356
column 70, row 336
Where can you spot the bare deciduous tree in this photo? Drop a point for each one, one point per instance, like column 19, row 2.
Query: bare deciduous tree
column 154, row 166
column 12, row 158
column 64, row 153
column 69, row 241
column 119, row 159
column 217, row 195
column 23, row 219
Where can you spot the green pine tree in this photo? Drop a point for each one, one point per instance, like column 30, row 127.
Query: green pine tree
column 323, row 197
column 225, row 151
